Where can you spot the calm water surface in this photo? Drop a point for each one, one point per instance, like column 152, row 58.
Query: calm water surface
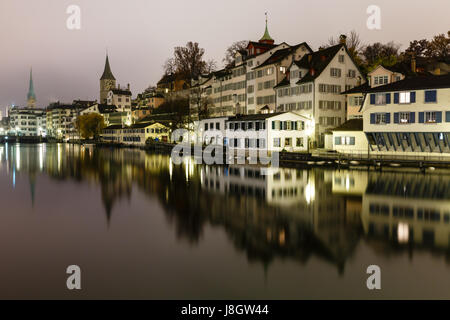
column 140, row 226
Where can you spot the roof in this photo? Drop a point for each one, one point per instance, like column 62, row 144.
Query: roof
column 105, row 108
column 107, row 74
column 317, row 62
column 281, row 54
column 283, row 83
column 257, row 116
column 358, row 89
column 415, row 83
column 126, row 92
column 350, row 125
column 266, row 36
column 114, row 126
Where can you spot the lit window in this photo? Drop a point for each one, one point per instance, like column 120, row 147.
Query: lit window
column 404, row 97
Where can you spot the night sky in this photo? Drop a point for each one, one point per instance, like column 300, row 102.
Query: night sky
column 140, row 35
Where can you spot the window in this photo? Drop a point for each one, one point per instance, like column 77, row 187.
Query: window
column 276, row 142
column 217, row 125
column 341, row 58
column 283, row 69
column 430, row 117
column 404, row 117
column 299, row 142
column 206, row 127
column 380, row 118
column 250, row 89
column 404, row 97
column 287, row 142
column 335, row 72
column 431, row 96
column 380, row 99
column 351, row 73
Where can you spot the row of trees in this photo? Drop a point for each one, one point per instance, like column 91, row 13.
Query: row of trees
column 371, row 55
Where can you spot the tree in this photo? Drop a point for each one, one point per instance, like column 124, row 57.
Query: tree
column 231, row 51
column 177, row 110
column 439, row 47
column 90, row 125
column 378, row 53
column 418, row 47
column 353, row 43
column 189, row 61
column 169, row 66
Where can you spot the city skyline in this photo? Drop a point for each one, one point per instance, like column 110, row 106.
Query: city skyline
column 71, row 69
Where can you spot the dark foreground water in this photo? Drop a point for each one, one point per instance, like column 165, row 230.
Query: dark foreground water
column 142, row 227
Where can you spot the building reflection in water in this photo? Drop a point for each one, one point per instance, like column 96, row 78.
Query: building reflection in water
column 267, row 213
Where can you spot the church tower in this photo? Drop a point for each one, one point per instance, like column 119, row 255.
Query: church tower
column 31, row 96
column 266, row 38
column 107, row 82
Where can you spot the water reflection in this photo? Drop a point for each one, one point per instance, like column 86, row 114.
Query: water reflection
column 268, row 214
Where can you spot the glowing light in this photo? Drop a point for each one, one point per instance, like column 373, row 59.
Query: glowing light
column 310, row 192
column 403, row 233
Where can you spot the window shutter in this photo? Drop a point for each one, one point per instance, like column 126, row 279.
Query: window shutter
column 388, row 98
column 412, row 117
column 396, row 116
column 413, row 97
column 273, row 125
column 337, row 141
column 388, row 117
column 439, row 116
column 372, row 98
column 372, row 118
column 421, row 117
column 447, row 116
column 396, row 97
column 430, row 96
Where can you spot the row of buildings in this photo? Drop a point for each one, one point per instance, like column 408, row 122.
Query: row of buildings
column 275, row 97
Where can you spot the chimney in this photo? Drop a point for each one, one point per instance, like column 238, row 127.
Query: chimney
column 343, row 39
column 413, row 63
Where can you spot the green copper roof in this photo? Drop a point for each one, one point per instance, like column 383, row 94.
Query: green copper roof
column 31, row 93
column 266, row 35
column 107, row 74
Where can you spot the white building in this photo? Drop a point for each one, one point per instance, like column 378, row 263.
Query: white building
column 314, row 84
column 121, row 98
column 349, row 138
column 286, row 131
column 28, row 121
column 410, row 117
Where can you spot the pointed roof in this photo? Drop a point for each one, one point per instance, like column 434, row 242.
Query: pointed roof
column 107, row 74
column 31, row 93
column 266, row 36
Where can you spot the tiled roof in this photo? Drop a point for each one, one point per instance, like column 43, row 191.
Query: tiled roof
column 317, row 62
column 415, row 83
column 350, row 125
column 358, row 89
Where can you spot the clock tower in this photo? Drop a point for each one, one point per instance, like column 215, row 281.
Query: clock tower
column 107, row 82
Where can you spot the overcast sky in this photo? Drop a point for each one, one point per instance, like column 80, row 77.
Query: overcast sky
column 141, row 34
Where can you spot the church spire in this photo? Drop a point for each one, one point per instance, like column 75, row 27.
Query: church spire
column 266, row 38
column 31, row 96
column 107, row 74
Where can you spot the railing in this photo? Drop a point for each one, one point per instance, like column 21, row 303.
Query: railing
column 355, row 155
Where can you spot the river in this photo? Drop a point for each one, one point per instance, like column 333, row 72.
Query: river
column 140, row 226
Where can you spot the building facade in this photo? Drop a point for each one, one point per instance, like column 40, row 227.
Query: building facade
column 410, row 117
column 314, row 85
